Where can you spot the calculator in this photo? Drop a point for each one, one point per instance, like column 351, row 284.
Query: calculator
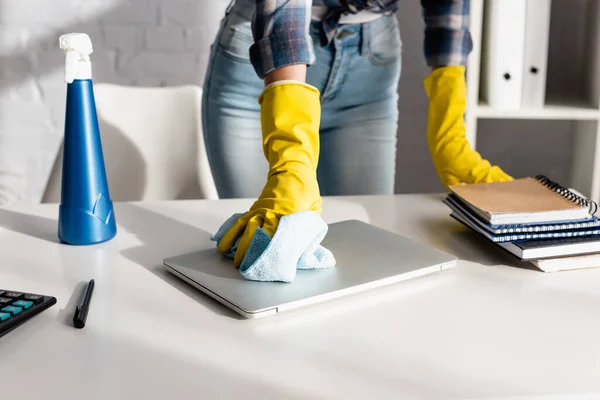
column 16, row 308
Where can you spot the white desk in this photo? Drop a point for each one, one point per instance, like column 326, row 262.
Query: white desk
column 487, row 329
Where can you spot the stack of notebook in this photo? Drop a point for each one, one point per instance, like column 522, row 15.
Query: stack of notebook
column 535, row 219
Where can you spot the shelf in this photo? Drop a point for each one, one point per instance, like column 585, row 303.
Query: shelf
column 570, row 111
column 572, row 91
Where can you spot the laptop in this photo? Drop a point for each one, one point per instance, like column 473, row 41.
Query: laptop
column 367, row 257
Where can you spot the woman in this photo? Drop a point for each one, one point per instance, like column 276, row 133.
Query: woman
column 325, row 74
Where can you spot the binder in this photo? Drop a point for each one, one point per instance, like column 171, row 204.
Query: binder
column 502, row 53
column 535, row 56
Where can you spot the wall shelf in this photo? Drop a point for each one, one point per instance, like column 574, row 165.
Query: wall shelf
column 550, row 111
column 582, row 108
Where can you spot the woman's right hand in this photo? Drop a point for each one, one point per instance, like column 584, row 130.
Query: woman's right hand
column 290, row 118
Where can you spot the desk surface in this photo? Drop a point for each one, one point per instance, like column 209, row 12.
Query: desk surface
column 490, row 328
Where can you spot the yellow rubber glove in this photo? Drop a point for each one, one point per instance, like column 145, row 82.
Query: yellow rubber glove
column 290, row 117
column 453, row 157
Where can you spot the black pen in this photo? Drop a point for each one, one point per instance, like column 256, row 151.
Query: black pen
column 81, row 311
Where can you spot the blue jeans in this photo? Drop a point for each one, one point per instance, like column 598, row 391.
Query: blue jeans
column 357, row 75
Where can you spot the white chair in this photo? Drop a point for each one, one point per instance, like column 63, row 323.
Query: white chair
column 152, row 143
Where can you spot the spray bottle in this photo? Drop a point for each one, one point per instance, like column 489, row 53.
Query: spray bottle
column 86, row 214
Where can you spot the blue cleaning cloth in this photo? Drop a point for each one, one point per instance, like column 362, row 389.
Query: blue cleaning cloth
column 295, row 245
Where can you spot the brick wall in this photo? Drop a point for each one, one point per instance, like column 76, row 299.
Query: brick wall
column 136, row 42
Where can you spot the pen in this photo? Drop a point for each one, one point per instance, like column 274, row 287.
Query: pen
column 81, row 311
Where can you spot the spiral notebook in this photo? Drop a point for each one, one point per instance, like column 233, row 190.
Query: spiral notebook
column 524, row 201
column 525, row 231
column 529, row 250
column 552, row 231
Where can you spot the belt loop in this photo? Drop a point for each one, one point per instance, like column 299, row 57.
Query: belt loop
column 329, row 26
column 322, row 34
column 364, row 38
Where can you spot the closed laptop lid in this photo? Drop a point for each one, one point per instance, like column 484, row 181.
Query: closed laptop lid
column 367, row 257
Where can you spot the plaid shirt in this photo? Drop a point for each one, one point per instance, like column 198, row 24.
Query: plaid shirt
column 280, row 29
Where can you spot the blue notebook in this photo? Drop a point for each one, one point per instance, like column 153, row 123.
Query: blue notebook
column 528, row 250
column 589, row 224
column 484, row 229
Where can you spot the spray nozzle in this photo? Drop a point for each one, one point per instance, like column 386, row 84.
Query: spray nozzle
column 77, row 48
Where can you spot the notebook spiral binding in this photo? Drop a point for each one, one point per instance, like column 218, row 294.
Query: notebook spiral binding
column 550, row 184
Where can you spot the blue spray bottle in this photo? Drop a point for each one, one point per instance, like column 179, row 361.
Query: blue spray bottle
column 86, row 214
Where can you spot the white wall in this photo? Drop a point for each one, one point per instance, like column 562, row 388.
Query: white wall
column 136, row 42
column 166, row 42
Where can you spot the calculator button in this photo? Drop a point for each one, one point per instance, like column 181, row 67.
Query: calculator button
column 4, row 301
column 12, row 310
column 4, row 316
column 35, row 298
column 14, row 295
column 22, row 303
column 2, row 292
